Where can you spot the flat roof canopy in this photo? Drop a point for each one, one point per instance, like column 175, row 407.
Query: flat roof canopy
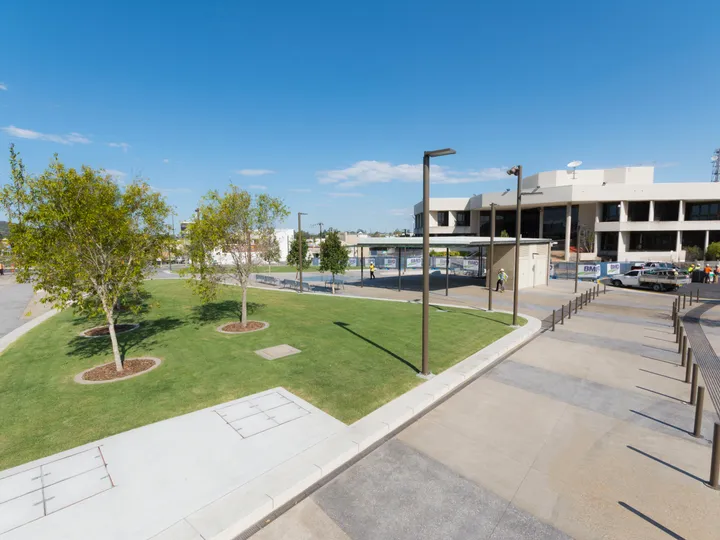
column 444, row 241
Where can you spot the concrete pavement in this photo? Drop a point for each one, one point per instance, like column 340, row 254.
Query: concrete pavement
column 14, row 300
column 583, row 433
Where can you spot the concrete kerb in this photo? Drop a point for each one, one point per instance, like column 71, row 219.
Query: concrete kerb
column 16, row 334
column 268, row 496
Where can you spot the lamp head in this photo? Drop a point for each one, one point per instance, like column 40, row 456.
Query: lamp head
column 438, row 153
column 513, row 171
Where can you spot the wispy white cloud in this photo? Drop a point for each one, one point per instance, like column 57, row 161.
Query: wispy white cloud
column 3, row 86
column 70, row 138
column 254, row 172
column 336, row 194
column 402, row 212
column 167, row 191
column 300, row 190
column 257, row 186
column 122, row 145
column 118, row 175
column 374, row 172
column 166, row 160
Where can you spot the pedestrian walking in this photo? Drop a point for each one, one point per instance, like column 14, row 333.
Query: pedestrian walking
column 501, row 279
column 706, row 278
column 2, row 269
column 372, row 270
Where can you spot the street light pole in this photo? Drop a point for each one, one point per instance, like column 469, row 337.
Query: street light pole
column 301, row 259
column 426, row 253
column 489, row 270
column 517, row 171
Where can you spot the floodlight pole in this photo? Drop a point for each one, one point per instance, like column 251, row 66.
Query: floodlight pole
column 301, row 259
column 426, row 254
column 516, row 277
column 489, row 270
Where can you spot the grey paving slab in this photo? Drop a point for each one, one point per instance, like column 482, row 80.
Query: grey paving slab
column 286, row 413
column 76, row 489
column 238, row 411
column 65, row 468
column 20, row 484
column 20, row 511
column 373, row 499
column 663, row 415
column 516, row 524
column 269, row 401
column 277, row 352
column 252, row 425
column 309, row 522
column 14, row 298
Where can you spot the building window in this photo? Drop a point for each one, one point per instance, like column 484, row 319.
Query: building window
column 638, row 211
column 693, row 239
column 608, row 241
column 419, row 221
column 666, row 210
column 704, row 211
column 610, row 211
column 462, row 219
column 652, row 241
column 443, row 219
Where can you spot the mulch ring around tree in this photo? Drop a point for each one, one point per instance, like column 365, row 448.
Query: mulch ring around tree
column 132, row 367
column 237, row 327
column 104, row 331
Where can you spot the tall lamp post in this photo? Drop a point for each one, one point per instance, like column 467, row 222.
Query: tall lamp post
column 301, row 259
column 426, row 252
column 516, row 171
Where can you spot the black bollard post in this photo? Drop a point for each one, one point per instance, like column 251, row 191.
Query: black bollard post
column 684, row 295
column 683, row 350
column 581, row 301
column 699, row 411
column 570, row 310
column 697, row 297
column 688, row 365
column 694, row 385
column 553, row 321
column 562, row 314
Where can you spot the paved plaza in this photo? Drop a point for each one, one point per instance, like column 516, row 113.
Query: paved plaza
column 582, row 433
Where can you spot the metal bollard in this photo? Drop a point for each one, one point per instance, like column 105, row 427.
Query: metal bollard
column 581, row 301
column 684, row 295
column 562, row 314
column 697, row 298
column 604, row 288
column 694, row 385
column 553, row 321
column 691, row 299
column 570, row 310
column 576, row 305
column 688, row 365
column 699, row 412
column 678, row 338
column 683, row 358
column 715, row 460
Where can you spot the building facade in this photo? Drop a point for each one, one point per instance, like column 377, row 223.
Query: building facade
column 613, row 214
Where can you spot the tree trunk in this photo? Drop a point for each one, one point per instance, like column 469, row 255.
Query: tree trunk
column 114, row 341
column 243, row 321
column 333, row 284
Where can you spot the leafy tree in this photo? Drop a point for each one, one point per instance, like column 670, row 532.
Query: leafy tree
column 271, row 250
column 693, row 253
column 292, row 258
column 504, row 234
column 333, row 256
column 80, row 238
column 230, row 224
column 713, row 252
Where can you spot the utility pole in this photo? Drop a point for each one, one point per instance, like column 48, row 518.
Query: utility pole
column 491, row 263
column 301, row 259
column 319, row 225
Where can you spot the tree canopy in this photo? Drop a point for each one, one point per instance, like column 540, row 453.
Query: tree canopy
column 333, row 255
column 292, row 258
column 229, row 238
column 76, row 235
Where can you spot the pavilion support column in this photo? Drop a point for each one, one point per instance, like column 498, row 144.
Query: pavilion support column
column 447, row 270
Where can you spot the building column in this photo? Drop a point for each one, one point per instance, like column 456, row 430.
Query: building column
column 678, row 244
column 621, row 248
column 707, row 242
column 542, row 219
column 623, row 211
column 651, row 213
column 568, row 229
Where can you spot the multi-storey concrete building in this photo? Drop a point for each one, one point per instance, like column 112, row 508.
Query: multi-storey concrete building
column 621, row 214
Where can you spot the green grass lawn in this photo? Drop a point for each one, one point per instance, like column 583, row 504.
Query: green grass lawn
column 356, row 355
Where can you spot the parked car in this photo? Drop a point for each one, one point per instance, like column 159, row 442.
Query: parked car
column 657, row 279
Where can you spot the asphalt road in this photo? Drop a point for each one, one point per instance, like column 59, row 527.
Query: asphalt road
column 14, row 298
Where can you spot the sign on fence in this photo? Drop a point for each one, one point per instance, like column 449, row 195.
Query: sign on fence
column 471, row 264
column 353, row 261
column 589, row 271
column 439, row 262
column 390, row 263
column 613, row 269
column 414, row 262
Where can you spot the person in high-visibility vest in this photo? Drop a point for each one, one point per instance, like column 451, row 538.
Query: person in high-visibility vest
column 372, row 270
column 2, row 269
column 502, row 277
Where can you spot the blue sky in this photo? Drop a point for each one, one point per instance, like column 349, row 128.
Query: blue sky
column 330, row 105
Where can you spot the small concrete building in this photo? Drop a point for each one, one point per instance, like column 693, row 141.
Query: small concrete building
column 617, row 214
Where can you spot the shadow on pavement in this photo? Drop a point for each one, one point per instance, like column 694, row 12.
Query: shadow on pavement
column 651, row 521
column 658, row 460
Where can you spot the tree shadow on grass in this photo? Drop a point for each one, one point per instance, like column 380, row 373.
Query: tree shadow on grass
column 479, row 315
column 142, row 304
column 221, row 311
column 145, row 335
column 346, row 326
